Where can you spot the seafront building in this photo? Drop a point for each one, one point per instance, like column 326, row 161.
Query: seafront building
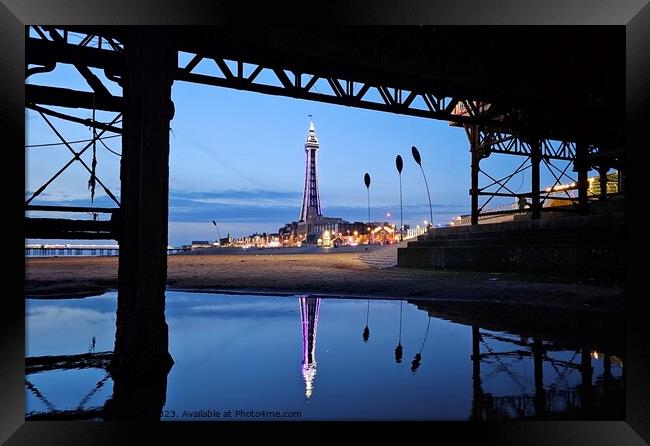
column 315, row 228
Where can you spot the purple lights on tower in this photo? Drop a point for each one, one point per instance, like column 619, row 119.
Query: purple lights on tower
column 309, row 318
column 311, row 198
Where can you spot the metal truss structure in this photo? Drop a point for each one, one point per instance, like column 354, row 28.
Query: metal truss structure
column 492, row 127
column 498, row 88
column 567, row 162
column 50, row 47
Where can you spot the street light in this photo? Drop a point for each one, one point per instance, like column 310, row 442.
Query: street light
column 366, row 180
column 218, row 233
column 416, row 157
column 400, row 164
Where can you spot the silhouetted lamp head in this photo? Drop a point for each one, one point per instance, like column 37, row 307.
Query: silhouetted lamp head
column 399, row 164
column 214, row 222
column 416, row 362
column 366, row 334
column 366, row 179
column 416, row 155
column 398, row 353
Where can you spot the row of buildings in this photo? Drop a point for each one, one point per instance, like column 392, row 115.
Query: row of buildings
column 313, row 228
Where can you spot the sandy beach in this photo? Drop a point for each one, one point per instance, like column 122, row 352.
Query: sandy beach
column 342, row 274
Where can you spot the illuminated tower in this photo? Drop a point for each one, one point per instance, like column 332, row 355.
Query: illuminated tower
column 309, row 318
column 311, row 198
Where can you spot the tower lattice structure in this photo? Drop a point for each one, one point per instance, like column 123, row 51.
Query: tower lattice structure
column 311, row 198
column 309, row 307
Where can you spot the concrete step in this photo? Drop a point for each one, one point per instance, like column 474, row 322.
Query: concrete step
column 384, row 257
column 519, row 239
column 604, row 261
column 585, row 223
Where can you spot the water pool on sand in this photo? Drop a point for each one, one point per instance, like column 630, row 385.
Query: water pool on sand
column 301, row 357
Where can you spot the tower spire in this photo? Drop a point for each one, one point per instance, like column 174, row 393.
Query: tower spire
column 311, row 197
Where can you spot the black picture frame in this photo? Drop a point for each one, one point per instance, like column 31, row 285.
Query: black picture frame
column 634, row 15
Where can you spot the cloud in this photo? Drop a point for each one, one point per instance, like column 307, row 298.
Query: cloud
column 255, row 197
column 242, row 212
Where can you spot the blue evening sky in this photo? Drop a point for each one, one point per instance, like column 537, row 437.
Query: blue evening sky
column 238, row 158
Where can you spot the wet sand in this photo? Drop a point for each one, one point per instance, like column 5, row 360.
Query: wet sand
column 342, row 274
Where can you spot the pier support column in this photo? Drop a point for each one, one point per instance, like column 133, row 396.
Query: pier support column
column 586, row 387
column 538, row 368
column 475, row 141
column 581, row 166
column 535, row 159
column 477, row 389
column 602, row 173
column 141, row 341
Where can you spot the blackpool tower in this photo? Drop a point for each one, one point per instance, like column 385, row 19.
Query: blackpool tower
column 309, row 319
column 310, row 198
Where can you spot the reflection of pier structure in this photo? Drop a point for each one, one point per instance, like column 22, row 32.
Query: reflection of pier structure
column 40, row 364
column 553, row 386
column 558, row 399
column 309, row 318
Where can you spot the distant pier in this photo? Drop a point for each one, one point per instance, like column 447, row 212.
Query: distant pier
column 51, row 250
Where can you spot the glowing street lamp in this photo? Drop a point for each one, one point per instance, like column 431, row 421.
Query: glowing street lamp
column 218, row 233
column 400, row 164
column 416, row 157
column 366, row 180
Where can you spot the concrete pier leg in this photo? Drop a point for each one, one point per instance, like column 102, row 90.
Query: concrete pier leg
column 141, row 342
column 602, row 172
column 477, row 389
column 538, row 366
column 476, row 159
column 582, row 167
column 535, row 159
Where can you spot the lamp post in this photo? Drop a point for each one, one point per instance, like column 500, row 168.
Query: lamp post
column 218, row 233
column 366, row 180
column 416, row 157
column 400, row 164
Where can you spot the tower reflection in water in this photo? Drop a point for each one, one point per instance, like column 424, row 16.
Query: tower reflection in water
column 492, row 369
column 309, row 318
